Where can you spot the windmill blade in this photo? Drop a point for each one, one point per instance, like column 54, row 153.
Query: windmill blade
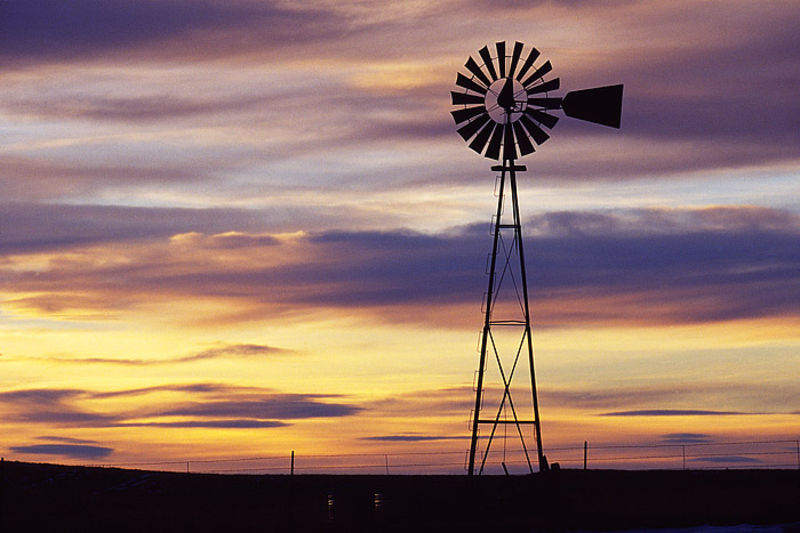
column 466, row 83
column 547, row 103
column 525, row 146
column 515, row 55
column 463, row 115
column 542, row 117
column 538, row 73
column 472, row 127
column 493, row 151
column 473, row 67
column 601, row 105
column 538, row 134
column 480, row 140
column 501, row 57
column 465, row 99
column 487, row 62
column 528, row 63
column 547, row 86
column 509, row 146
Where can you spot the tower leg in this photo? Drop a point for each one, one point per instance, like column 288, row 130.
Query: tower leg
column 486, row 327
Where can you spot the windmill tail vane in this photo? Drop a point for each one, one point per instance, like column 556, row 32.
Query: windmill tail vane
column 504, row 103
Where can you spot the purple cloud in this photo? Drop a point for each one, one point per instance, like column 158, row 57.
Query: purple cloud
column 726, row 459
column 686, row 438
column 32, row 227
column 669, row 266
column 212, row 424
column 48, row 30
column 676, row 95
column 413, row 438
column 201, row 407
column 233, row 350
column 673, row 412
column 72, row 451
column 275, row 406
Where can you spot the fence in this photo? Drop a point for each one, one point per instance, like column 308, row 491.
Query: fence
column 695, row 456
column 765, row 454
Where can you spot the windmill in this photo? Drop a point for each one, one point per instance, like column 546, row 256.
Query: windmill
column 504, row 107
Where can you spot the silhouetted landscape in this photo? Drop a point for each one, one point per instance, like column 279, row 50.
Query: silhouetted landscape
column 46, row 497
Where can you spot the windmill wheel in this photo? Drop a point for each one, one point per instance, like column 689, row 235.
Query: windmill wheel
column 503, row 104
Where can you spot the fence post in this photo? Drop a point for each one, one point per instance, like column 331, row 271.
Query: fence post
column 683, row 447
column 585, row 452
column 386, row 459
column 797, row 444
column 291, row 465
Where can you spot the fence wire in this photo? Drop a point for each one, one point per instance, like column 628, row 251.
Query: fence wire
column 757, row 454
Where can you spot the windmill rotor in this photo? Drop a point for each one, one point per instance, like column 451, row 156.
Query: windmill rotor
column 504, row 103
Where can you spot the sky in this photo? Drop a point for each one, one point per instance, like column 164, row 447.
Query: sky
column 238, row 228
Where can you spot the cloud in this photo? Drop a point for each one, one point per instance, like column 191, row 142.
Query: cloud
column 744, row 274
column 199, row 405
column 210, row 389
column 212, row 424
column 673, row 412
column 673, row 399
column 232, row 350
column 39, row 396
column 133, row 109
column 72, row 451
column 51, row 406
column 276, row 406
column 65, row 440
column 34, row 227
column 413, row 438
column 726, row 459
column 618, row 267
column 435, row 402
column 235, row 350
column 686, row 438
column 683, row 104
column 669, row 88
column 48, row 30
column 594, row 398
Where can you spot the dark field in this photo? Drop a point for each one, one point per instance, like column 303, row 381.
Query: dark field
column 41, row 497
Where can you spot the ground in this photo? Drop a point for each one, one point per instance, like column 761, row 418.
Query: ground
column 44, row 497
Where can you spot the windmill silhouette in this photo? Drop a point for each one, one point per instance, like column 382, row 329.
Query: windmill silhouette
column 504, row 106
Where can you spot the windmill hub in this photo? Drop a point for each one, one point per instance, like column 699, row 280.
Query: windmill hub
column 506, row 99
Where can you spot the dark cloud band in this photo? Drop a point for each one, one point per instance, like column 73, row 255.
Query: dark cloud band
column 72, row 451
column 673, row 412
column 201, row 406
column 645, row 266
column 49, row 30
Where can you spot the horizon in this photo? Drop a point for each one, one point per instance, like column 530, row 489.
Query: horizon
column 237, row 229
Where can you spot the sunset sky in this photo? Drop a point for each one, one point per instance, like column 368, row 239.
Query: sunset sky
column 232, row 228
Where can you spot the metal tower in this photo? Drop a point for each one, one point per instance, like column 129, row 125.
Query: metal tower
column 507, row 245
column 503, row 105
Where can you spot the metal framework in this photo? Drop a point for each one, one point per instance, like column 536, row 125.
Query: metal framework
column 507, row 252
